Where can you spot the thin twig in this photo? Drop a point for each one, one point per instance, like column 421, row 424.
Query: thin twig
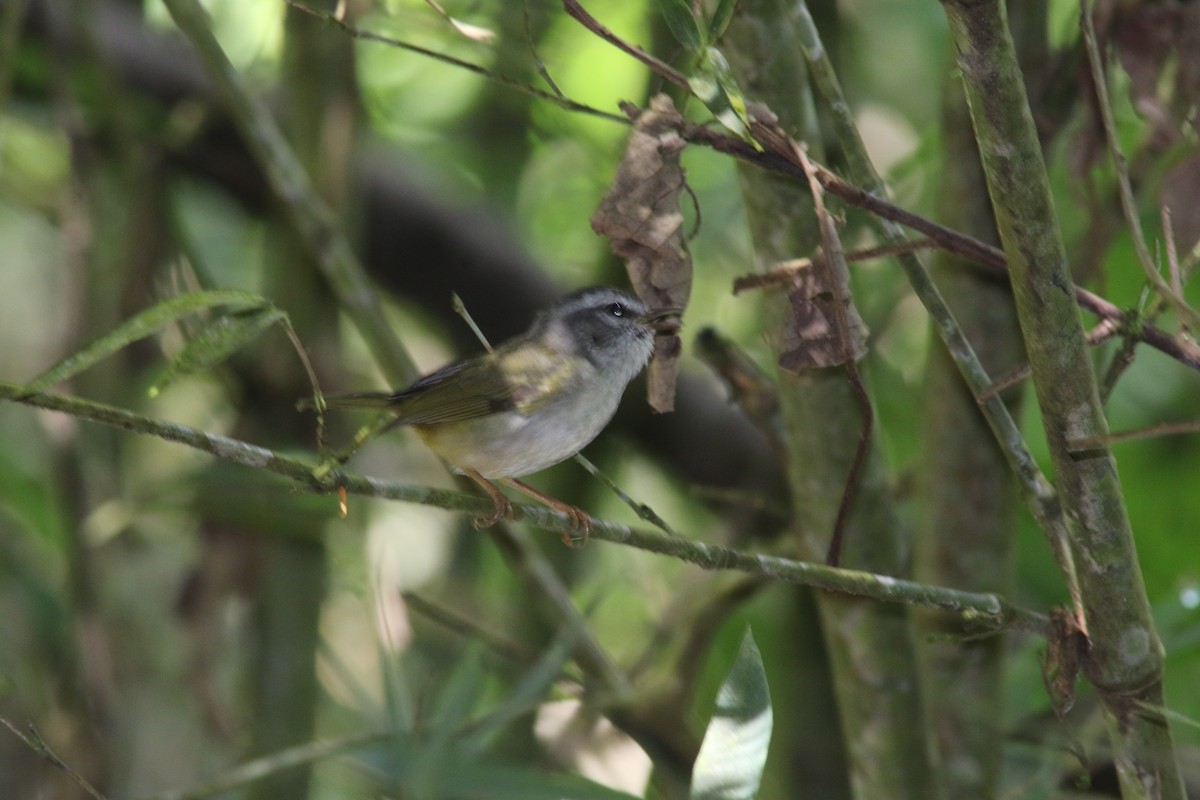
column 37, row 744
column 1098, row 335
column 1187, row 314
column 660, row 68
column 538, row 63
column 784, row 273
column 496, row 77
column 460, row 308
column 1174, row 270
column 643, row 511
column 1003, row 383
column 1164, row 214
column 988, row 611
column 1165, row 429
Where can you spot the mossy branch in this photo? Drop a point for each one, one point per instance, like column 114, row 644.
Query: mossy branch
column 1035, row 488
column 984, row 612
column 1125, row 657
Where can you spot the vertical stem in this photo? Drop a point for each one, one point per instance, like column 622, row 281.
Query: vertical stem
column 967, row 536
column 284, row 677
column 1035, row 489
column 873, row 660
column 312, row 219
column 1125, row 656
column 318, row 79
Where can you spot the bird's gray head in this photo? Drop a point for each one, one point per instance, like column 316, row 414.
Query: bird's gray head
column 612, row 329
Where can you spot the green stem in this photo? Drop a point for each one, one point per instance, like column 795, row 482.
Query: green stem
column 1125, row 657
column 1035, row 489
column 314, row 222
column 970, row 526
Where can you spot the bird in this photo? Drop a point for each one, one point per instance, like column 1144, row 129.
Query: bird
column 536, row 400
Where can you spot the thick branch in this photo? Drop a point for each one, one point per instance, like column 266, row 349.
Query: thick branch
column 1126, row 658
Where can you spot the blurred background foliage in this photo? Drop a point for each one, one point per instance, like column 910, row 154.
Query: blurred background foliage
column 164, row 617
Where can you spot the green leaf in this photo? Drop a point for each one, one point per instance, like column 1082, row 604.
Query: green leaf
column 460, row 695
column 530, row 692
column 31, row 502
column 734, row 750
column 683, row 24
column 720, row 19
column 219, row 339
column 716, row 87
column 140, row 326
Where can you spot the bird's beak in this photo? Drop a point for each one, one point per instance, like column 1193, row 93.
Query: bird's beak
column 662, row 320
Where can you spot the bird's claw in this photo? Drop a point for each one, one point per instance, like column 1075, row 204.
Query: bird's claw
column 502, row 510
column 581, row 528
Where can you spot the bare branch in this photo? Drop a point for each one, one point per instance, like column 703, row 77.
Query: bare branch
column 987, row 612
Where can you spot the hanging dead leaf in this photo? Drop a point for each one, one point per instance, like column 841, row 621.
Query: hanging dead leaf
column 1066, row 648
column 822, row 327
column 810, row 333
column 641, row 217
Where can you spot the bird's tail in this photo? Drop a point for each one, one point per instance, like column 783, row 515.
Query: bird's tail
column 369, row 401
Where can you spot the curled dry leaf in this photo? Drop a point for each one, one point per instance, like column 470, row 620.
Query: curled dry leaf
column 641, row 217
column 823, row 327
column 811, row 336
column 1066, row 649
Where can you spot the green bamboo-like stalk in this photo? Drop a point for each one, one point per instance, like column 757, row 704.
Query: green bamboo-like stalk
column 1035, row 489
column 310, row 216
column 968, row 532
column 1125, row 657
column 873, row 659
column 317, row 81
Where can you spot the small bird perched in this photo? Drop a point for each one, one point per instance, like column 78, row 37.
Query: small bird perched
column 535, row 400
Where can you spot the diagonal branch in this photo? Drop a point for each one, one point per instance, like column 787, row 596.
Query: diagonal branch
column 1181, row 349
column 557, row 98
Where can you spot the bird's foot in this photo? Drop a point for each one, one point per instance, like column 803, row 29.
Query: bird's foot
column 501, row 506
column 501, row 510
column 581, row 523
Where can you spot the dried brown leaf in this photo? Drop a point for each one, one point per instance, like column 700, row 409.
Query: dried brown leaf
column 810, row 332
column 1066, row 649
column 641, row 217
column 822, row 327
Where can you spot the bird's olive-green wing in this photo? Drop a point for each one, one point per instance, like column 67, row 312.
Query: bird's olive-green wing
column 511, row 379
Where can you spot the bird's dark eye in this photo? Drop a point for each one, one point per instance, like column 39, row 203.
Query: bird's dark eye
column 617, row 309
